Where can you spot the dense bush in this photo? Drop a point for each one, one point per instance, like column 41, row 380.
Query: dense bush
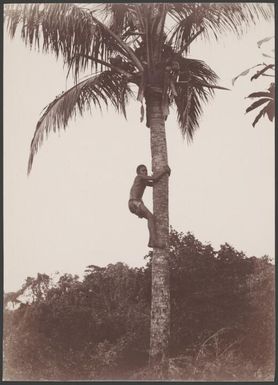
column 222, row 320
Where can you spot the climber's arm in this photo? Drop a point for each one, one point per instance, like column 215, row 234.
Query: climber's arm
column 150, row 180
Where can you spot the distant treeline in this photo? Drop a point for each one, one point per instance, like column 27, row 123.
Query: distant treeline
column 222, row 320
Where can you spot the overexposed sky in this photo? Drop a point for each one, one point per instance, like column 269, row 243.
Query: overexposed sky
column 71, row 211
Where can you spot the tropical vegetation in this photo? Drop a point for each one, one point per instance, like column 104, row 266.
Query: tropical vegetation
column 97, row 327
column 265, row 99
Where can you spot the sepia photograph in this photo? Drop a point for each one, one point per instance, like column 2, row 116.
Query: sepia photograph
column 139, row 192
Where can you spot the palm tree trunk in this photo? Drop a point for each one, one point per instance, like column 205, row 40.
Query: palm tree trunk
column 160, row 307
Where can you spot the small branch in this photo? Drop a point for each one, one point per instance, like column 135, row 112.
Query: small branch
column 259, row 73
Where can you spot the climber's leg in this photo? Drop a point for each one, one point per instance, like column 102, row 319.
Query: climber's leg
column 153, row 241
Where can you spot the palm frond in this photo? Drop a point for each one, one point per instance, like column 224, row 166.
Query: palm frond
column 189, row 110
column 105, row 87
column 128, row 52
column 186, row 29
column 214, row 18
column 206, row 85
column 195, row 71
column 196, row 86
column 157, row 30
column 67, row 30
column 234, row 17
column 120, row 68
column 122, row 19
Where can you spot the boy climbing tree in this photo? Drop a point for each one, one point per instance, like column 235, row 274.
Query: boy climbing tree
column 136, row 205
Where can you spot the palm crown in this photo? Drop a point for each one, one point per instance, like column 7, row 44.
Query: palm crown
column 130, row 44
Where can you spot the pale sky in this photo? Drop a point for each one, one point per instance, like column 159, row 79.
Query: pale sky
column 71, row 211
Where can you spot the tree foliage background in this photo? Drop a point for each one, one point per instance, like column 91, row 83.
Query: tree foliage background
column 222, row 320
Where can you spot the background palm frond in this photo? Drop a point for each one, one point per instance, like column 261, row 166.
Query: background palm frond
column 106, row 87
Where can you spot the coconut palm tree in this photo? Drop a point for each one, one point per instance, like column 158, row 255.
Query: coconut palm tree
column 134, row 45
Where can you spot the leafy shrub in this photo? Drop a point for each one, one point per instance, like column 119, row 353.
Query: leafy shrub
column 222, row 320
